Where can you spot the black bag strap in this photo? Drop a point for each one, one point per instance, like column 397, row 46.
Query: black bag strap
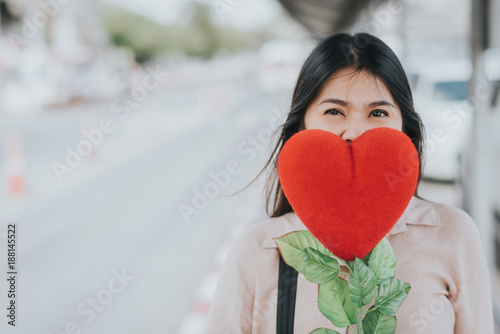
column 287, row 292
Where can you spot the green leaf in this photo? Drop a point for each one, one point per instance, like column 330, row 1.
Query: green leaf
column 335, row 303
column 350, row 265
column 318, row 267
column 292, row 244
column 382, row 261
column 324, row 331
column 366, row 259
column 362, row 284
column 390, row 295
column 378, row 323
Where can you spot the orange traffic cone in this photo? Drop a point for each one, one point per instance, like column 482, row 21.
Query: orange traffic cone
column 14, row 163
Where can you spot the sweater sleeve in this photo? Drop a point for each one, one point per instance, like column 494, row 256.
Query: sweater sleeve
column 471, row 294
column 232, row 305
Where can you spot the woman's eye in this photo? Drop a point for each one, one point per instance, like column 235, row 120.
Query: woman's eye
column 379, row 113
column 333, row 112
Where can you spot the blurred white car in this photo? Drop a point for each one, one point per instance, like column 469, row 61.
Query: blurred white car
column 441, row 100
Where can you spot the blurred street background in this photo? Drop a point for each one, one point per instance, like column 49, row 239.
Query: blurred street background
column 128, row 128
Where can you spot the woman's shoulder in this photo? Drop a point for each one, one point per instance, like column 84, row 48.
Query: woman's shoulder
column 452, row 220
column 259, row 236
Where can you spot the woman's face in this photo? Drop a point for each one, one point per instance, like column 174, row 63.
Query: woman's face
column 351, row 103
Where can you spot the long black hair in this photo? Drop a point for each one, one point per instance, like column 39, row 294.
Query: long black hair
column 361, row 51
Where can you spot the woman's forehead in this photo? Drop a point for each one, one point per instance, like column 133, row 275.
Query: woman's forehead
column 350, row 81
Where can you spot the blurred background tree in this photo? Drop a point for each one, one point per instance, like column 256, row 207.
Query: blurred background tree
column 198, row 36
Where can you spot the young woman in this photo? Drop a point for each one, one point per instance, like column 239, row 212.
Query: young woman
column 348, row 85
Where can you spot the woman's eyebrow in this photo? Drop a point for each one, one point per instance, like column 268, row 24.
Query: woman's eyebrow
column 333, row 100
column 345, row 103
column 381, row 103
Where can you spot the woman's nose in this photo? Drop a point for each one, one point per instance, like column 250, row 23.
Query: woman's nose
column 352, row 131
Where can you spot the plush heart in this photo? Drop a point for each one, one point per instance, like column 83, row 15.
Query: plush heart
column 349, row 196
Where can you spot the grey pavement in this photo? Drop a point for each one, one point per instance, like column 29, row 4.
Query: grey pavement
column 108, row 250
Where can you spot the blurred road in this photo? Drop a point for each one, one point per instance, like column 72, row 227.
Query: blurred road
column 107, row 250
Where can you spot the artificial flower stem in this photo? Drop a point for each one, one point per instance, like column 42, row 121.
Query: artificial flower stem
column 359, row 320
column 371, row 309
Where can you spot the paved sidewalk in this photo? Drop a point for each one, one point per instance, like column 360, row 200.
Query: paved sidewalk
column 250, row 212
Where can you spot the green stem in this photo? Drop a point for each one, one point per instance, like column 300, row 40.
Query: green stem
column 372, row 309
column 359, row 320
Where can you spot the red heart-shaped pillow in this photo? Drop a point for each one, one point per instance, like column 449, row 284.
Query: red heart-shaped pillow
column 349, row 196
